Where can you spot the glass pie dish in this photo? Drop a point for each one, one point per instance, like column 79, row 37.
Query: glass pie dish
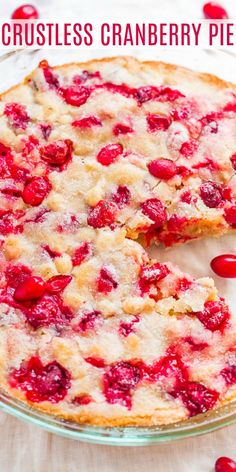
column 14, row 66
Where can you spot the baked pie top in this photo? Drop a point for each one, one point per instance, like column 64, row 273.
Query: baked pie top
column 93, row 156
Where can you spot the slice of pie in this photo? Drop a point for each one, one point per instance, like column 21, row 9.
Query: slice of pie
column 93, row 156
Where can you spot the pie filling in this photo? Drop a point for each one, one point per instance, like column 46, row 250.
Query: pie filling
column 93, row 157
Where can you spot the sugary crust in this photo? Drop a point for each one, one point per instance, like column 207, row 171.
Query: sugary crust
column 165, row 303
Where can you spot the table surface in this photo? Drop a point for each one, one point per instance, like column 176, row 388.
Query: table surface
column 26, row 448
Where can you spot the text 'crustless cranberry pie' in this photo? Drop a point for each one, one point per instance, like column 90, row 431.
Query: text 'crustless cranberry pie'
column 92, row 157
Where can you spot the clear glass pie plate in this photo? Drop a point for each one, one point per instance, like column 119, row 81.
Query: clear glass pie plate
column 194, row 258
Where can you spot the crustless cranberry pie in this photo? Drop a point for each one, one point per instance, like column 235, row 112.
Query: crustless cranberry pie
column 97, row 161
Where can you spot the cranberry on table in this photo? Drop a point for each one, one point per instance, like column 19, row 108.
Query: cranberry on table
column 225, row 464
column 25, row 12
column 224, row 265
column 214, row 11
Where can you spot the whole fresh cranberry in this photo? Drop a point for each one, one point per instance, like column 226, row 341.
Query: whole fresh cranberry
column 25, row 12
column 214, row 11
column 225, row 464
column 224, row 265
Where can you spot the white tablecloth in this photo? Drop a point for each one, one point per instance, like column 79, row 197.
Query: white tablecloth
column 25, row 448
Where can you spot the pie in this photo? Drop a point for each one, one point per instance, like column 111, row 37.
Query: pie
column 97, row 161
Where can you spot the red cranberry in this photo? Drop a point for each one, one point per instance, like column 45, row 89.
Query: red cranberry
column 231, row 106
column 183, row 284
column 103, row 214
column 233, row 161
column 108, row 154
column 225, row 464
column 123, row 89
column 25, row 12
column 76, row 95
column 181, row 114
column 119, row 381
column 7, row 221
column 48, row 382
column 46, row 130
column 162, row 168
column 82, row 400
column 58, row 283
column 163, row 94
column 31, row 288
column 51, row 252
column 230, row 215
column 155, row 210
column 229, row 374
column 106, row 282
column 188, row 148
column 86, row 75
column 36, row 190
column 48, row 311
column 50, row 77
column 176, row 223
column 196, row 397
column 210, row 123
column 214, row 11
column 126, row 328
column 169, row 366
column 167, row 94
column 16, row 274
column 88, row 321
column 214, row 316
column 96, row 362
column 81, row 253
column 158, row 122
column 87, row 122
column 211, row 194
column 17, row 115
column 57, row 153
column 122, row 196
column 224, row 265
column 121, row 128
column 195, row 345
column 146, row 93
column 154, row 273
